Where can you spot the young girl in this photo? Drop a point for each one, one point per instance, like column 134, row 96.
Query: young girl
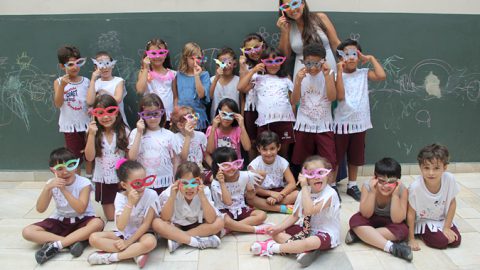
column 107, row 142
column 151, row 144
column 383, row 209
column 252, row 48
column 228, row 129
column 273, row 194
column 273, row 97
column 229, row 189
column 135, row 208
column 188, row 215
column 156, row 75
column 315, row 223
column 103, row 82
column 224, row 83
column 191, row 87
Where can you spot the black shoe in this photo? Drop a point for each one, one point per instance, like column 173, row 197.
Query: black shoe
column 306, row 258
column 402, row 251
column 351, row 238
column 47, row 252
column 336, row 189
column 354, row 192
column 77, row 248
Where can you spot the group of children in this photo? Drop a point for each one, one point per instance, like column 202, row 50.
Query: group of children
column 176, row 177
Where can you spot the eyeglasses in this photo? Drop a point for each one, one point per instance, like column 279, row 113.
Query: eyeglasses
column 390, row 182
column 254, row 49
column 143, row 182
column 223, row 64
column 294, row 4
column 237, row 165
column 312, row 64
column 274, row 61
column 70, row 165
column 315, row 174
column 350, row 54
column 190, row 183
column 227, row 115
column 200, row 59
column 157, row 53
column 191, row 116
column 104, row 63
column 77, row 63
column 145, row 115
column 109, row 111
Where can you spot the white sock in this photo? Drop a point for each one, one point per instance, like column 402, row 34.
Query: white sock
column 58, row 244
column 352, row 183
column 113, row 257
column 193, row 242
column 275, row 248
column 388, row 246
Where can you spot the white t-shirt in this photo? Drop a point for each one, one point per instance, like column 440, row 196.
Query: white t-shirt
column 156, row 154
column 275, row 171
column 184, row 213
column 251, row 98
column 63, row 209
column 138, row 212
column 431, row 209
column 74, row 110
column 352, row 115
column 237, row 192
column 163, row 89
column 328, row 220
column 104, row 171
column 314, row 114
column 109, row 87
column 198, row 146
column 273, row 101
column 224, row 91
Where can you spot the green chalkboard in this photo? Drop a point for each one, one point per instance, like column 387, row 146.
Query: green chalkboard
column 431, row 95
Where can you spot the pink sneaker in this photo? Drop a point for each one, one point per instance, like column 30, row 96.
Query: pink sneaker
column 141, row 260
column 262, row 229
column 262, row 248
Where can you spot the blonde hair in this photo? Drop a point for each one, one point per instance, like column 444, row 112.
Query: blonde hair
column 177, row 116
column 188, row 50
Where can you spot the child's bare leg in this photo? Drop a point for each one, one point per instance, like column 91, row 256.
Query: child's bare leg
column 169, row 231
column 206, row 229
column 290, row 198
column 88, row 167
column 38, row 235
column 352, row 172
column 246, row 225
column 109, row 211
column 262, row 204
column 281, row 237
column 374, row 237
column 299, row 246
column 94, row 225
column 104, row 241
column 145, row 244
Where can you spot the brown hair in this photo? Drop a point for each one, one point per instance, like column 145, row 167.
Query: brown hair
column 187, row 167
column 188, row 50
column 433, row 152
column 177, row 116
column 66, row 52
column 314, row 158
column 158, row 42
column 152, row 99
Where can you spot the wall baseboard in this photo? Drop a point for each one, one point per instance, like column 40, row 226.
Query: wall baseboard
column 366, row 170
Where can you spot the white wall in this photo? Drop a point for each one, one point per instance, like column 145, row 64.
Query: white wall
column 23, row 7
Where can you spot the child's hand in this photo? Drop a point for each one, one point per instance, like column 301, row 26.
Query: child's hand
column 397, row 191
column 302, row 180
column 220, row 177
column 92, row 128
column 373, row 184
column 121, row 244
column 451, row 235
column 259, row 68
column 140, row 126
column 326, row 69
column 271, row 200
column 201, row 189
column 216, row 121
column 301, row 74
column 65, row 79
column 219, row 72
column 242, row 60
column 239, row 119
column 413, row 244
column 133, row 197
column 283, row 24
column 257, row 178
column 146, row 62
column 273, row 230
column 197, row 69
column 364, row 58
column 95, row 74
column 174, row 189
column 56, row 183
column 340, row 66
column 189, row 129
column 278, row 196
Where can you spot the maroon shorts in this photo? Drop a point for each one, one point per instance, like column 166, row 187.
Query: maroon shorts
column 63, row 228
column 400, row 230
column 325, row 239
column 246, row 212
column 188, row 227
column 284, row 131
column 159, row 190
column 439, row 240
column 309, row 144
column 277, row 189
column 75, row 142
column 352, row 144
column 105, row 193
column 249, row 118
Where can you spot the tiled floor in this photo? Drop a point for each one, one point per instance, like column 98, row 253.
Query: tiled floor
column 18, row 210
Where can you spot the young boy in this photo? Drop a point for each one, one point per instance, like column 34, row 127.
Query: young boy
column 273, row 194
column 432, row 202
column 383, row 209
column 74, row 217
column 70, row 96
column 352, row 115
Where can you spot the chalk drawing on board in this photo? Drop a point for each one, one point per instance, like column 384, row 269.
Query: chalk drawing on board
column 272, row 39
column 109, row 42
column 423, row 118
column 355, row 36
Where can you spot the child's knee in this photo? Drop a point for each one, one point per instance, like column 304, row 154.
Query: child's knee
column 438, row 241
column 262, row 215
column 97, row 224
column 159, row 225
column 93, row 239
column 28, row 233
column 218, row 224
column 150, row 242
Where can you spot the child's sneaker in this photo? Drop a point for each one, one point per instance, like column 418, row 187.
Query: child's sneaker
column 173, row 245
column 402, row 251
column 354, row 192
column 262, row 248
column 99, row 258
column 141, row 260
column 77, row 248
column 351, row 237
column 262, row 229
column 286, row 209
column 45, row 253
column 306, row 258
column 208, row 242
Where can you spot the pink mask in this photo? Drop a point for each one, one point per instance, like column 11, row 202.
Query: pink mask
column 277, row 61
column 315, row 174
column 152, row 54
column 237, row 165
